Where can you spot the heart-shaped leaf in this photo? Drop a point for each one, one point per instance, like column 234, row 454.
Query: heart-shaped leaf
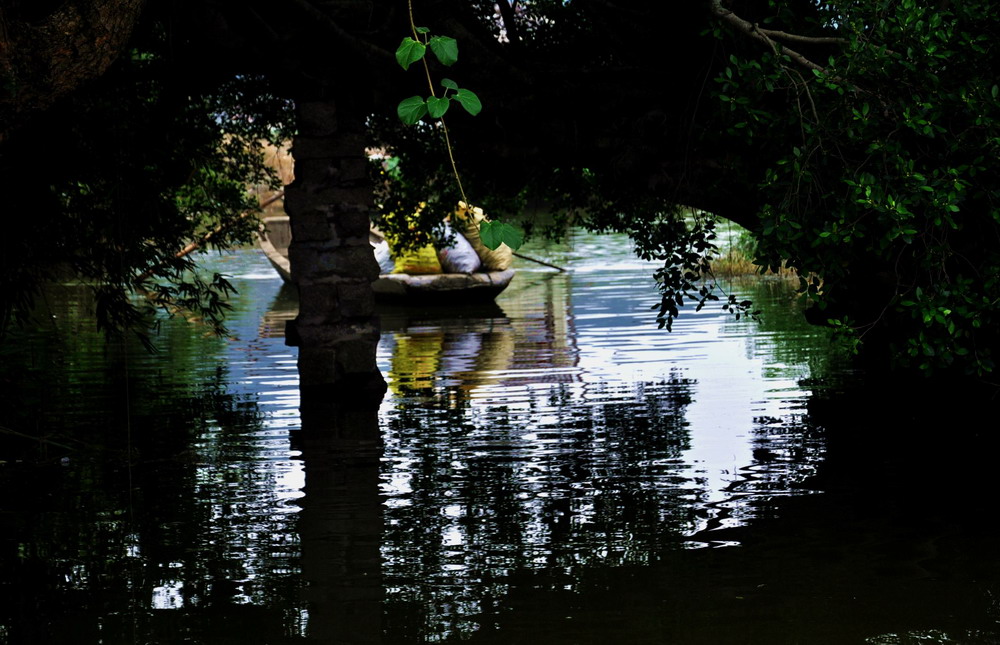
column 409, row 52
column 411, row 110
column 510, row 236
column 469, row 101
column 436, row 107
column 493, row 234
column 450, row 84
column 489, row 235
column 445, row 48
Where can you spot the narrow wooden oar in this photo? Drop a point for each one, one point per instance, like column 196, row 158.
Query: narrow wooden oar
column 194, row 246
column 543, row 263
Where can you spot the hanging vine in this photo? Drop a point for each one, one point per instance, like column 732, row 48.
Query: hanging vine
column 414, row 48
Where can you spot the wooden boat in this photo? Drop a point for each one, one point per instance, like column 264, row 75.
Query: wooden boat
column 400, row 288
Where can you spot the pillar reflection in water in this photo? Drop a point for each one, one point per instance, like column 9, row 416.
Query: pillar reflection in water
column 341, row 518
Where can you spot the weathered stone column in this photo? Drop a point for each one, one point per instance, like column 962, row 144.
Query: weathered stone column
column 331, row 259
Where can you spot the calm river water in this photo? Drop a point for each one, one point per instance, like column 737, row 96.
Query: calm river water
column 553, row 469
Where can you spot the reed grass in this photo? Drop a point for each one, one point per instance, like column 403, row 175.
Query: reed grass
column 734, row 263
column 737, row 260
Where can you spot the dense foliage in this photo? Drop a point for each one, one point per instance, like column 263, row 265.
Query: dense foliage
column 879, row 131
column 855, row 139
column 119, row 176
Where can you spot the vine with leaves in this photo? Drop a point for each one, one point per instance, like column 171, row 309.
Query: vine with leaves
column 412, row 49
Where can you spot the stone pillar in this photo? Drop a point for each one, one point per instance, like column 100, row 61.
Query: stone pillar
column 331, row 259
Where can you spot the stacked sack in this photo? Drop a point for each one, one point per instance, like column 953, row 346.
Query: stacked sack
column 467, row 223
column 464, row 251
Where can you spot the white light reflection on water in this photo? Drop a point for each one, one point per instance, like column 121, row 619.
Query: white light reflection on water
column 247, row 480
column 569, row 431
column 545, row 465
column 563, row 430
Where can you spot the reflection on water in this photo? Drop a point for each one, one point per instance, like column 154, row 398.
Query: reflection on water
column 551, row 468
column 138, row 490
column 570, row 433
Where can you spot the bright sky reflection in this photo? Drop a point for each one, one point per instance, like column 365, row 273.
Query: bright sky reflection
column 571, row 431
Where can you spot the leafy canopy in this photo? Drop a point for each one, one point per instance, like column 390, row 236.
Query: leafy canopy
column 878, row 134
column 121, row 175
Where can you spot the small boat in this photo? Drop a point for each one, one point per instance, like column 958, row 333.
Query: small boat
column 398, row 288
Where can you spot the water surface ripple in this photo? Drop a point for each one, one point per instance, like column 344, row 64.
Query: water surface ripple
column 168, row 497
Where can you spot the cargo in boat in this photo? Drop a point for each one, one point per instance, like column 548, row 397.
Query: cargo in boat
column 433, row 288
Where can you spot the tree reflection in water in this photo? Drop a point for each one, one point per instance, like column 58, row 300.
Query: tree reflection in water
column 181, row 496
column 475, row 497
column 511, row 462
column 158, row 502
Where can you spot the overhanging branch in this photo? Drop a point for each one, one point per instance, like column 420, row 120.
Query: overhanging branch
column 767, row 36
column 797, row 38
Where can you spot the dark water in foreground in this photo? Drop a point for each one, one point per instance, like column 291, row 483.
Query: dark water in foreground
column 550, row 470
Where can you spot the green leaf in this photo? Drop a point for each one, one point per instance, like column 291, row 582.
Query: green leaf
column 996, row 91
column 450, row 84
column 469, row 101
column 493, row 234
column 411, row 110
column 409, row 52
column 511, row 236
column 445, row 49
column 422, row 30
column 489, row 237
column 436, row 107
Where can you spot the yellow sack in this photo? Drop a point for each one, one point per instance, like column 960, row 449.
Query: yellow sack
column 467, row 224
column 422, row 260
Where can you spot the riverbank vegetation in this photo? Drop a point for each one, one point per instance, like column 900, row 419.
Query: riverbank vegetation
column 736, row 258
column 113, row 182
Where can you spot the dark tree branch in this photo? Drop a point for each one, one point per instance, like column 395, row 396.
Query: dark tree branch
column 344, row 37
column 755, row 32
column 808, row 40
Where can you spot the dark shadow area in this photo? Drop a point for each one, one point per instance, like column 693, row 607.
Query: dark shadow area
column 899, row 548
column 341, row 520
